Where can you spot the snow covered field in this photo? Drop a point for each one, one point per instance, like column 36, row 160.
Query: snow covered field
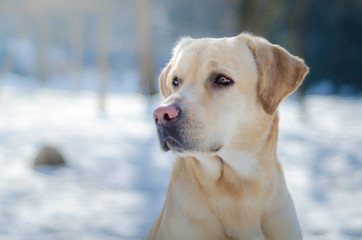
column 115, row 181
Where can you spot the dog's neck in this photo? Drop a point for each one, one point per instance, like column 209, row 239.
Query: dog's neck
column 239, row 166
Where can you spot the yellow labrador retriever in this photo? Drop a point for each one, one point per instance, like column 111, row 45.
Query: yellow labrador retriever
column 220, row 119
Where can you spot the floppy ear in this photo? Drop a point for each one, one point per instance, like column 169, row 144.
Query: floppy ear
column 280, row 73
column 162, row 81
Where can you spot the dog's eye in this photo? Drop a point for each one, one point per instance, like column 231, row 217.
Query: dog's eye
column 175, row 82
column 221, row 80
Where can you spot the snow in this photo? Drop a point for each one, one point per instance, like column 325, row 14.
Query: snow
column 323, row 165
column 115, row 181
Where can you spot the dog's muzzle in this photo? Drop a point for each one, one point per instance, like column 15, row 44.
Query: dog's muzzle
column 168, row 122
column 179, row 133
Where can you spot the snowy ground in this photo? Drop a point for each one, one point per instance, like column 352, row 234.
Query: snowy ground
column 115, row 181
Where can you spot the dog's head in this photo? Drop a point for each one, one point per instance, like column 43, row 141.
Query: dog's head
column 217, row 90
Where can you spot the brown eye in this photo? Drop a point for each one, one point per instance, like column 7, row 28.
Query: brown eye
column 221, row 80
column 175, row 82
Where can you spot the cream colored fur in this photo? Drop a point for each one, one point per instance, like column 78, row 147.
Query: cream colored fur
column 237, row 192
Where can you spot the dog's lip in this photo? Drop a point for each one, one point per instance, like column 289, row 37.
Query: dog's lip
column 216, row 148
column 169, row 143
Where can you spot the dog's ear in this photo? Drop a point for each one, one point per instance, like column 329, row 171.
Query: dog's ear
column 280, row 73
column 162, row 80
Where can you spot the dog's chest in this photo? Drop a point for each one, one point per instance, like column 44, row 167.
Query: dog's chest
column 239, row 219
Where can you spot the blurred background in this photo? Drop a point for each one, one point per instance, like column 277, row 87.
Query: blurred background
column 81, row 76
column 118, row 39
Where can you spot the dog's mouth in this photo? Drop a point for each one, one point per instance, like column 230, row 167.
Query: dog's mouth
column 216, row 148
column 170, row 138
column 171, row 143
column 176, row 137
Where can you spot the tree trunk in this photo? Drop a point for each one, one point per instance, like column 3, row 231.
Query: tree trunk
column 77, row 27
column 295, row 27
column 257, row 16
column 104, row 30
column 144, row 40
column 41, row 22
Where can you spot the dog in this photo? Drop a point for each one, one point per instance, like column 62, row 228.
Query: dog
column 220, row 119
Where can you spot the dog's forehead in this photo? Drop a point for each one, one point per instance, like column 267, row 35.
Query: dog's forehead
column 206, row 54
column 188, row 53
column 192, row 49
